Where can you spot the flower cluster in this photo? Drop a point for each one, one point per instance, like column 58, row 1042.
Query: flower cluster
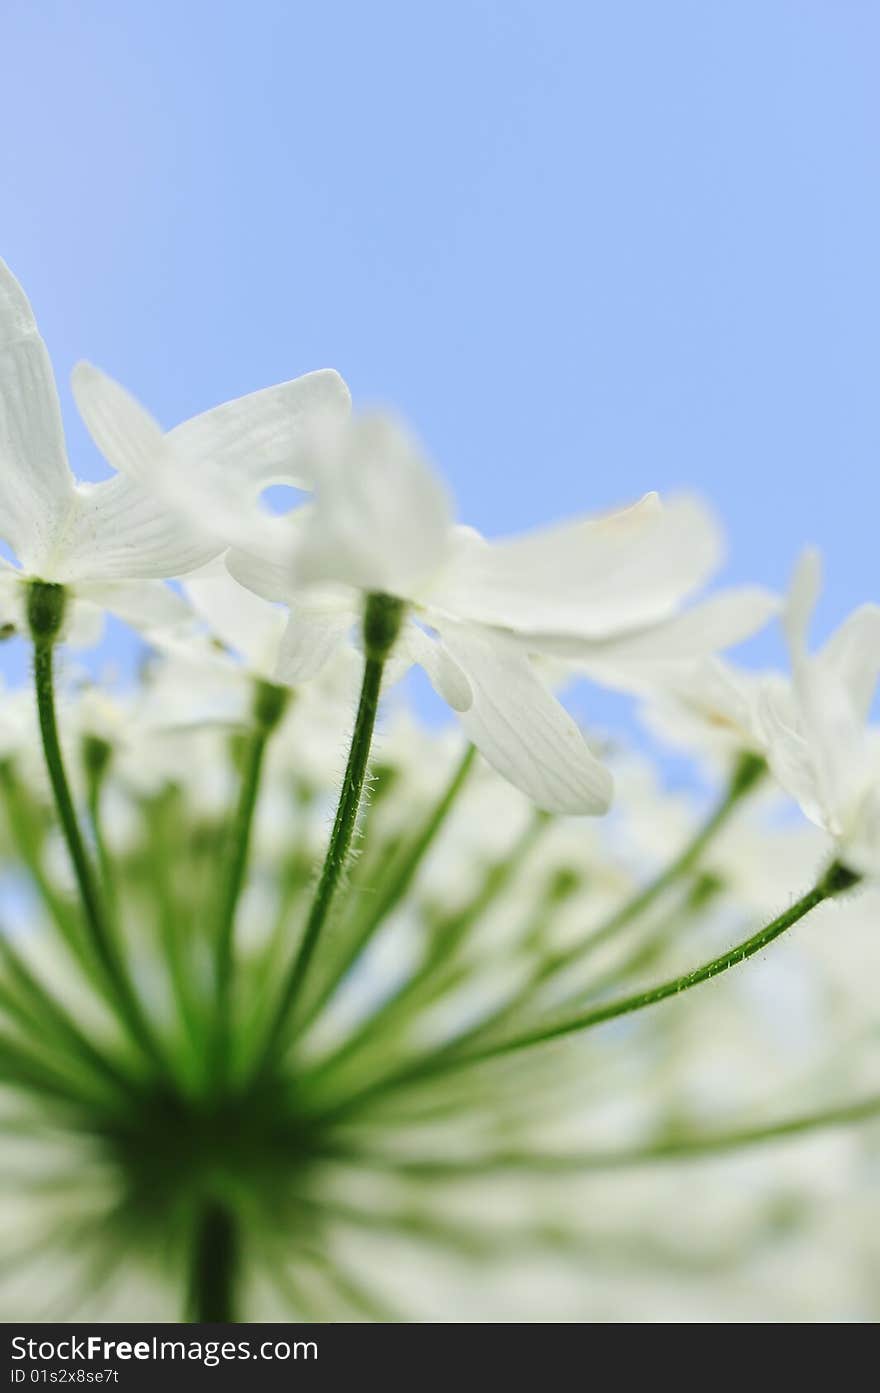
column 267, row 1022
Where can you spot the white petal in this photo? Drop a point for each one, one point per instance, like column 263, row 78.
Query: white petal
column 861, row 847
column 267, row 568
column 444, row 673
column 13, row 600
column 258, row 439
column 594, row 578
column 801, row 601
column 235, row 615
column 144, row 604
column 704, row 701
column 789, row 754
column 118, row 530
column 83, row 623
column 832, row 693
column 522, row 730
column 36, row 486
column 381, row 519
column 125, row 433
column 698, row 632
column 312, row 636
column 852, row 655
column 213, row 468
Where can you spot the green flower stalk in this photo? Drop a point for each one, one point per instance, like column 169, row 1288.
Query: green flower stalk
column 381, row 624
column 45, row 614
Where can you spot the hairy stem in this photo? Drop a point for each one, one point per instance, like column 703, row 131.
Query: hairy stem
column 382, row 618
column 748, row 771
column 395, row 886
column 837, row 879
column 429, row 979
column 45, row 610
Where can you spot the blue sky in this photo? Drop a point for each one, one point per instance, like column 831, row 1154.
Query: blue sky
column 588, row 248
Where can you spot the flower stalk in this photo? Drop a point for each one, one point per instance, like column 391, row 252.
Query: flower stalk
column 270, row 703
column 45, row 611
column 383, row 615
column 215, row 1265
column 836, row 881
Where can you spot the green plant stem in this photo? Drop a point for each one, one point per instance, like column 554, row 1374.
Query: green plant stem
column 20, row 1069
column 236, row 867
column 27, row 841
column 423, row 986
column 104, row 863
column 748, row 771
column 837, row 879
column 122, row 995
column 215, row 1265
column 679, row 1148
column 382, row 619
column 645, row 953
column 403, row 870
column 41, row 1012
column 162, row 844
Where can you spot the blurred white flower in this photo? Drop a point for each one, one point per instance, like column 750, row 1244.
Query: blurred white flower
column 707, row 705
column 111, row 543
column 817, row 738
column 381, row 522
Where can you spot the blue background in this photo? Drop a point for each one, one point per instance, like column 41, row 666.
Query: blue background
column 588, row 248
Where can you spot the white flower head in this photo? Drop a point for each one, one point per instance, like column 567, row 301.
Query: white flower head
column 210, row 472
column 110, row 544
column 477, row 611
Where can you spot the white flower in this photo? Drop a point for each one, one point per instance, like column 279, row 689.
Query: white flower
column 381, row 522
column 708, row 705
column 817, row 738
column 112, row 544
column 245, row 630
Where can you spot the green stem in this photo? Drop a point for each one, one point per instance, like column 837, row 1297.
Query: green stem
column 269, row 706
column 215, row 1266
column 97, row 755
column 382, row 618
column 45, row 611
column 396, row 884
column 644, row 955
column 45, row 1014
column 680, row 1148
column 163, row 838
column 428, row 981
column 28, row 844
column 837, row 879
column 639, row 1001
column 20, row 1069
column 748, row 771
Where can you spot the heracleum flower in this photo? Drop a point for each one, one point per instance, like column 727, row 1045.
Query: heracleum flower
column 381, row 522
column 112, row 544
column 227, row 1102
